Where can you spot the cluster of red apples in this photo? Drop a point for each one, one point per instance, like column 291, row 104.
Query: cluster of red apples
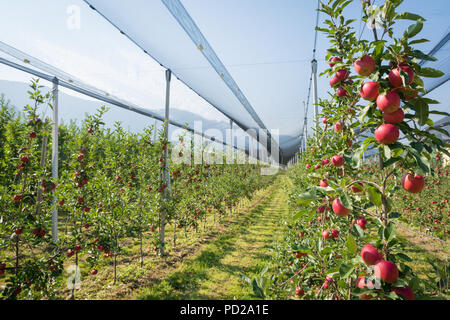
column 384, row 270
column 388, row 102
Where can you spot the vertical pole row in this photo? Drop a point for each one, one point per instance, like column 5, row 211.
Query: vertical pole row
column 166, row 193
column 55, row 158
column 315, row 100
column 305, row 133
column 232, row 161
column 257, row 146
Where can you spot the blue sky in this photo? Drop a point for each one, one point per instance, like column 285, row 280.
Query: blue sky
column 282, row 39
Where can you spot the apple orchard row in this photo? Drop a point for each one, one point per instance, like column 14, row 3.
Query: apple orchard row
column 111, row 188
column 342, row 242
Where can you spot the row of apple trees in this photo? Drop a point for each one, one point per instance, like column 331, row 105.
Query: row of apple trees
column 111, row 188
column 342, row 242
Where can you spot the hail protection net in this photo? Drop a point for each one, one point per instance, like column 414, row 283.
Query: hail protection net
column 248, row 61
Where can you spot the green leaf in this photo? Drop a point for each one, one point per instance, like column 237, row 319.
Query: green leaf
column 394, row 215
column 442, row 113
column 356, row 159
column 346, row 201
column 419, row 54
column 414, row 29
column 358, row 230
column 387, row 152
column 390, row 232
column 299, row 214
column 307, row 197
column 430, row 73
column 403, row 257
column 410, row 16
column 351, row 244
column 418, row 41
column 326, row 189
column 422, row 110
column 391, row 161
column 418, row 146
column 346, row 269
column 374, row 196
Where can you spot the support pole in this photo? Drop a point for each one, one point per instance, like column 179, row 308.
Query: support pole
column 305, row 126
column 55, row 158
column 315, row 100
column 257, row 147
column 232, row 161
column 166, row 193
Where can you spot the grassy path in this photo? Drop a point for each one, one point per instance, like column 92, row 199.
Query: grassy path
column 244, row 248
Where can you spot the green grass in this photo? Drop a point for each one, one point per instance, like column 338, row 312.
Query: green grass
column 245, row 248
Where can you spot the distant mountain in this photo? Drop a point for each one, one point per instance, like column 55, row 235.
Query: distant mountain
column 75, row 108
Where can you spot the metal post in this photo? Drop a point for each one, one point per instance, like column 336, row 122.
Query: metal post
column 315, row 100
column 232, row 161
column 166, row 192
column 55, row 157
column 192, row 147
column 257, row 147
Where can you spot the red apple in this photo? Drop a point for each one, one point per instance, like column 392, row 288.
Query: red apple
column 337, row 161
column 387, row 133
column 395, row 117
column 334, row 81
column 349, row 142
column 334, row 60
column 324, row 183
column 413, row 183
column 338, row 126
column 299, row 291
column 388, row 102
column 342, row 74
column 370, row 254
column 370, row 90
column 339, row 208
column 361, row 283
column 355, row 188
column 395, row 78
column 406, row 292
column 386, row 271
column 326, row 234
column 335, row 233
column 364, row 66
column 341, row 92
column 325, row 120
column 362, row 223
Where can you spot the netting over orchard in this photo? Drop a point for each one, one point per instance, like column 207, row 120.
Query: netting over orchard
column 245, row 61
